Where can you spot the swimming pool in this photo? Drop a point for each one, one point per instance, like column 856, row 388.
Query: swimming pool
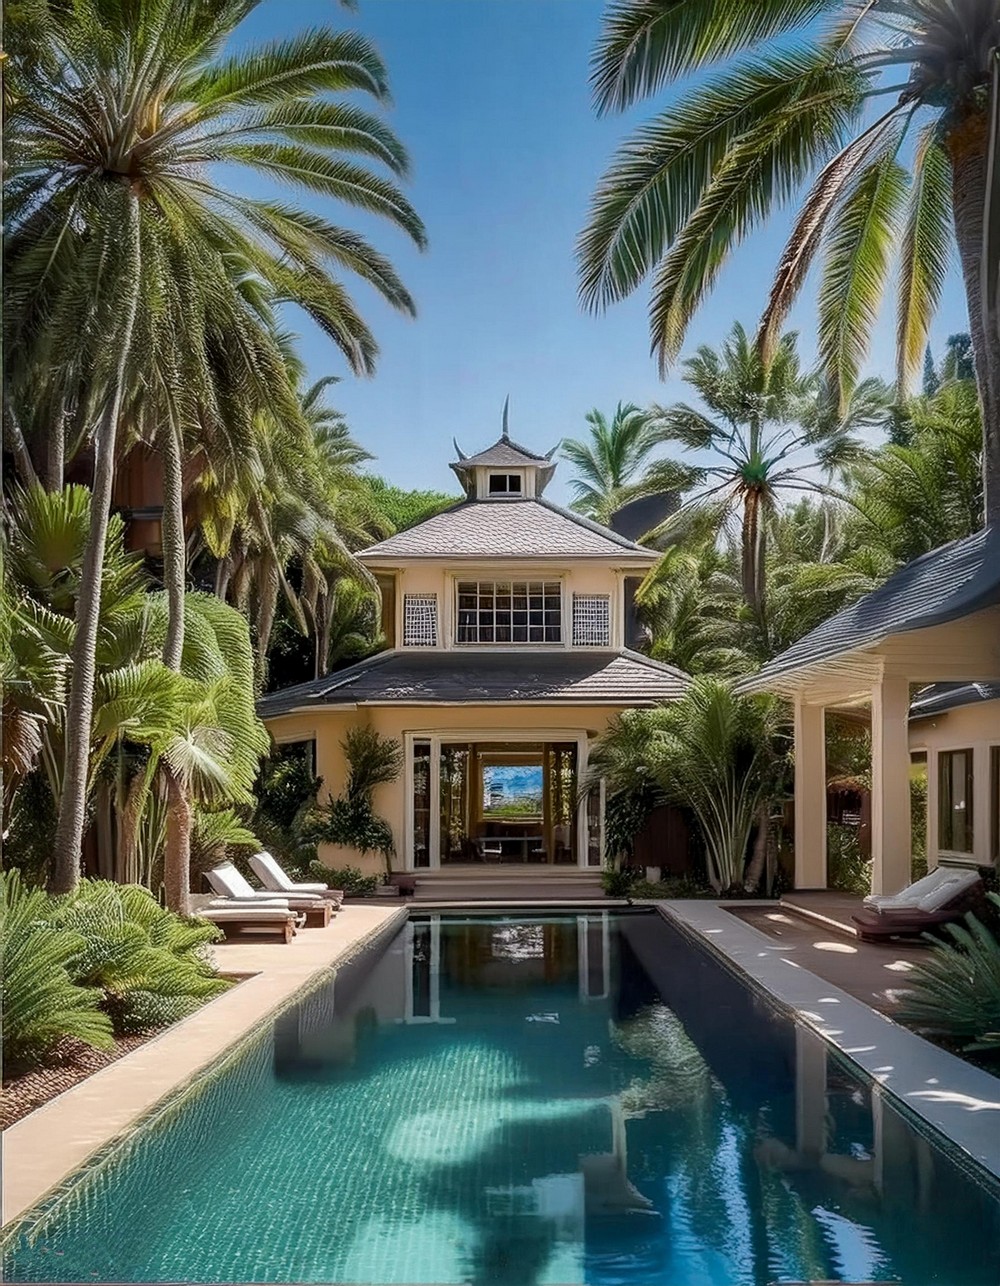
column 515, row 1100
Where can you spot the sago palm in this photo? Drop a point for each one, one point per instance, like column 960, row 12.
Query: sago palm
column 877, row 111
column 130, row 240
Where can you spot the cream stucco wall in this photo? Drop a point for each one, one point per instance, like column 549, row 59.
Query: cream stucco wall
column 973, row 727
column 328, row 728
column 576, row 576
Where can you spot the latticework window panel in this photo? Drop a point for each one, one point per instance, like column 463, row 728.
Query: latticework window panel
column 591, row 620
column 420, row 620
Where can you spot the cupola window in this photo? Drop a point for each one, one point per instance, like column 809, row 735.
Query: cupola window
column 505, row 484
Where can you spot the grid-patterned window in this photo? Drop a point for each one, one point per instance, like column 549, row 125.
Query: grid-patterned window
column 420, row 620
column 591, row 620
column 509, row 611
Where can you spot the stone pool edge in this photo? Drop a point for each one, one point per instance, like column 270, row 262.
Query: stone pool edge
column 900, row 1063
column 73, row 1131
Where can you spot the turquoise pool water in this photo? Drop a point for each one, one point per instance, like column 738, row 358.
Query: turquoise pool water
column 513, row 1101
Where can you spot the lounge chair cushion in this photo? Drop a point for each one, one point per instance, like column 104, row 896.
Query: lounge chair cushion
column 938, row 898
column 273, row 876
column 264, row 914
column 911, row 895
column 227, row 881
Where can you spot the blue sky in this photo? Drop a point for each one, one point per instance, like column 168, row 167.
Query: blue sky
column 492, row 101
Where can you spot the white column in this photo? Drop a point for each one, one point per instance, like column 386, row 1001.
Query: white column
column 810, row 796
column 890, row 785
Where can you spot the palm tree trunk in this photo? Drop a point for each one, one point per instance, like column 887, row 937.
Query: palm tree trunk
column 760, row 846
column 177, row 850
column 55, row 455
column 967, row 147
column 223, row 574
column 18, row 446
column 174, row 549
column 80, row 705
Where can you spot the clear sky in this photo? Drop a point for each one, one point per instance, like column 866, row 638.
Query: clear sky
column 491, row 99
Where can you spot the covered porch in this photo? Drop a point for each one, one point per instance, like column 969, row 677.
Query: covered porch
column 937, row 620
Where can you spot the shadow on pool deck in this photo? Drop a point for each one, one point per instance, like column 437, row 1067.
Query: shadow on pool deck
column 870, row 972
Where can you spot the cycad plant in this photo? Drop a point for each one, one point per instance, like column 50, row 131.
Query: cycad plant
column 721, row 755
column 42, row 1003
column 877, row 111
column 956, row 993
column 149, row 966
column 132, row 256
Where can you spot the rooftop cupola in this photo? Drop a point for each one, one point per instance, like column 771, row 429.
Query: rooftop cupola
column 504, row 471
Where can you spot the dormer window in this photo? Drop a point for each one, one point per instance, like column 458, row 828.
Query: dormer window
column 505, row 484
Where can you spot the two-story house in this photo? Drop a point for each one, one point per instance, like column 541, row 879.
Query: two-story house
column 507, row 621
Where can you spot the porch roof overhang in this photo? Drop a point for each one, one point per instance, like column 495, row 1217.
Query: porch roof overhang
column 935, row 620
column 449, row 677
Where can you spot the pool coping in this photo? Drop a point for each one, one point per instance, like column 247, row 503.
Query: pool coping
column 60, row 1141
column 900, row 1063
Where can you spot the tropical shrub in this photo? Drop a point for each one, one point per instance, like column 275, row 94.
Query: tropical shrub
column 956, row 994
column 720, row 755
column 619, row 881
column 351, row 820
column 149, row 966
column 348, row 878
column 372, row 760
column 43, row 1003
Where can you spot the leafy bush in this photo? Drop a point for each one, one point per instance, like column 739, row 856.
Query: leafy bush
column 847, row 868
column 956, row 994
column 619, row 881
column 372, row 761
column 42, row 1003
column 149, row 965
column 348, row 878
column 672, row 887
column 353, row 823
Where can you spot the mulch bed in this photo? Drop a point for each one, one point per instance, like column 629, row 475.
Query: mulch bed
column 72, row 1062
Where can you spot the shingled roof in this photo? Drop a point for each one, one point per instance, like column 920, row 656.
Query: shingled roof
column 509, row 528
column 938, row 698
column 476, row 678
column 942, row 586
column 504, row 453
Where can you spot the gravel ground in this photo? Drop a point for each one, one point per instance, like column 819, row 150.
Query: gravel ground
column 73, row 1062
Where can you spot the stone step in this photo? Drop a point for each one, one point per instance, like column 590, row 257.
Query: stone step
column 488, row 888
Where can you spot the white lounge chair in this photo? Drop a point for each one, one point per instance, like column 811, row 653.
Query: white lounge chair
column 935, row 890
column 276, row 880
column 226, row 881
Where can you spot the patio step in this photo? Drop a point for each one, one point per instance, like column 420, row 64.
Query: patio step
column 496, row 885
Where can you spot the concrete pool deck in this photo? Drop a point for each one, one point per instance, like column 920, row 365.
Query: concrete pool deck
column 958, row 1100
column 43, row 1148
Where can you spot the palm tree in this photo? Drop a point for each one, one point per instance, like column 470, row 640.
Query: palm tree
column 721, row 755
column 770, row 430
column 785, row 106
column 126, row 243
column 609, row 463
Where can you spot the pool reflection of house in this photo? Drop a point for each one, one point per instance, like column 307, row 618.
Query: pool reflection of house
column 509, row 629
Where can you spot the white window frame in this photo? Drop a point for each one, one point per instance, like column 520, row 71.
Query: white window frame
column 424, row 601
column 462, row 736
column 586, row 602
column 507, row 490
column 491, row 578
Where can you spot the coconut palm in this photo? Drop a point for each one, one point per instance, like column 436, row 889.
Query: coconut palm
column 770, row 430
column 777, row 96
column 612, row 463
column 125, row 238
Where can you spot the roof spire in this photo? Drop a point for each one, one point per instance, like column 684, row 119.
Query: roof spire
column 505, row 435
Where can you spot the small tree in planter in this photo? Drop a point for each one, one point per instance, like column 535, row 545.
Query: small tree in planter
column 351, row 820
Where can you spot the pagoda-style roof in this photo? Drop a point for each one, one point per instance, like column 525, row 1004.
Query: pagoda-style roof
column 513, row 528
column 505, row 454
column 562, row 676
